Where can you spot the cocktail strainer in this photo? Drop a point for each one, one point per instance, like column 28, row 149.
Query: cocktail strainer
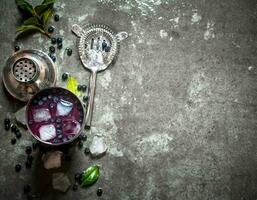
column 98, row 46
column 27, row 72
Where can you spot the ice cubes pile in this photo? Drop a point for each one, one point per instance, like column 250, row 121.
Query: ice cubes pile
column 47, row 132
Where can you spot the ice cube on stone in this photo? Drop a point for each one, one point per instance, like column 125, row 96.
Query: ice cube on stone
column 98, row 146
column 52, row 159
column 64, row 107
column 47, row 132
column 41, row 114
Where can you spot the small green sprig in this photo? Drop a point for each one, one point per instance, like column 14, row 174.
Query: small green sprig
column 38, row 16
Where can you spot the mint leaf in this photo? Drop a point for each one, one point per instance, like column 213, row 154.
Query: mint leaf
column 25, row 6
column 26, row 28
column 90, row 176
column 46, row 16
column 31, row 21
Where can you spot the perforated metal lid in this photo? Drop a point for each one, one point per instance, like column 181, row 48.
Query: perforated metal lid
column 25, row 70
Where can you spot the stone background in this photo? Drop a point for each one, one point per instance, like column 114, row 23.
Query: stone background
column 177, row 109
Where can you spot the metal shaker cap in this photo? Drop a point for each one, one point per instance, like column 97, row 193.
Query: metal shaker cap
column 27, row 72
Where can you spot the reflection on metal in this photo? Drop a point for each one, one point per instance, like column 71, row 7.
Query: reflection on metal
column 27, row 72
column 98, row 47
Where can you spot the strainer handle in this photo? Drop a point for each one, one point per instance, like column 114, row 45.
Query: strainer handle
column 90, row 106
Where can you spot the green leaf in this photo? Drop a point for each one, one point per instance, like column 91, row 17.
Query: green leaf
column 31, row 21
column 25, row 28
column 90, row 176
column 48, row 2
column 46, row 16
column 40, row 9
column 25, row 6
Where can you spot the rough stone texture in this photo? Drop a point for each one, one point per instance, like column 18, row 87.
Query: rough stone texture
column 52, row 159
column 60, row 182
column 177, row 110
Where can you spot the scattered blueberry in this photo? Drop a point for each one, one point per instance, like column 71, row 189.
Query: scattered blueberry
column 69, row 51
column 7, row 127
column 18, row 135
column 13, row 127
column 50, row 29
column 84, row 88
column 18, row 167
column 26, row 189
column 65, row 76
column 34, row 145
column 99, row 192
column 52, row 56
column 59, row 40
column 59, row 45
column 74, row 187
column 80, row 144
column 16, row 48
column 7, row 121
column 30, row 158
column 78, row 176
column 28, row 149
column 85, row 98
column 53, row 40
column 28, row 164
column 87, row 150
column 79, row 88
column 52, row 49
column 84, row 137
column 13, row 140
column 56, row 17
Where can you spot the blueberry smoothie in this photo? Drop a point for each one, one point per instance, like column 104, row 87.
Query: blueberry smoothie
column 55, row 116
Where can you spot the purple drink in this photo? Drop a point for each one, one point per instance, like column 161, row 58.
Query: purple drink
column 55, row 116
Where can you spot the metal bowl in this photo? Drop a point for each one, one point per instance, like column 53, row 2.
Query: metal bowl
column 50, row 91
column 27, row 72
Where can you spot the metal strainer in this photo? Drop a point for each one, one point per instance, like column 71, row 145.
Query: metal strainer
column 98, row 46
column 27, row 72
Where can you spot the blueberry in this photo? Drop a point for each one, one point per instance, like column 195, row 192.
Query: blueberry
column 35, row 145
column 99, row 192
column 65, row 76
column 84, row 88
column 26, row 189
column 58, row 120
column 85, row 98
column 16, row 48
column 69, row 51
column 40, row 103
column 28, row 164
column 28, row 149
column 80, row 144
column 52, row 49
column 7, row 121
column 79, row 88
column 87, row 151
column 53, row 40
column 56, row 17
column 18, row 167
column 18, row 135
column 51, row 105
column 60, row 136
column 84, row 137
column 56, row 141
column 53, row 57
column 49, row 96
column 44, row 98
column 50, row 29
column 59, row 45
column 30, row 122
column 77, row 176
column 13, row 140
column 13, row 127
column 7, row 127
column 30, row 158
column 59, row 40
column 74, row 187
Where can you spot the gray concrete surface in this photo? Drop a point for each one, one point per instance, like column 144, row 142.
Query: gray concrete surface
column 177, row 110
